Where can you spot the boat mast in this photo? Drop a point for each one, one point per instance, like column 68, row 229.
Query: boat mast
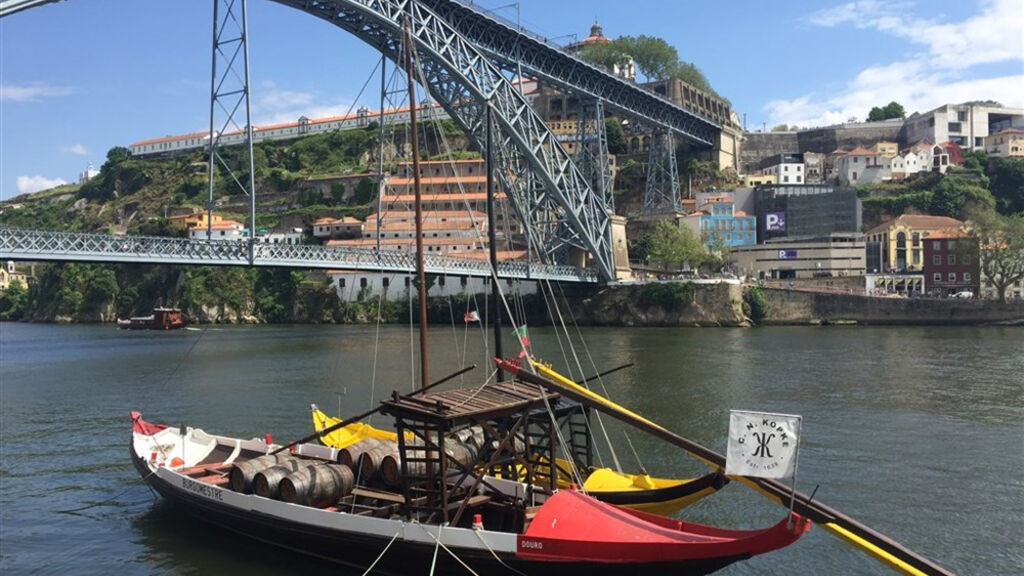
column 421, row 284
column 491, row 238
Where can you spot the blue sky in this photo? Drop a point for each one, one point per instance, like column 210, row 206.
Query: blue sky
column 79, row 77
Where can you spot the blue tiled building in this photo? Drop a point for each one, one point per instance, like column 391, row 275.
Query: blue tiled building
column 717, row 223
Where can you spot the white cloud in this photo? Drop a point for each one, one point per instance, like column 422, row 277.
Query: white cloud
column 76, row 149
column 273, row 105
column 32, row 92
column 992, row 35
column 948, row 72
column 36, row 183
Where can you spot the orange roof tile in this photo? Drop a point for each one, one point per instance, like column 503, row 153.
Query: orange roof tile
column 171, row 138
column 409, row 181
column 947, row 233
column 919, row 222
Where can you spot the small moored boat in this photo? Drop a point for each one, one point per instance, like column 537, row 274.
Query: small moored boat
column 160, row 319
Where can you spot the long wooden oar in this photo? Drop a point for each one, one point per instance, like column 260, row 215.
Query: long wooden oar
column 355, row 419
column 605, row 373
column 878, row 545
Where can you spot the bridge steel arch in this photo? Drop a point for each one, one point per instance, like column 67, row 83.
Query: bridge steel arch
column 510, row 48
column 557, row 206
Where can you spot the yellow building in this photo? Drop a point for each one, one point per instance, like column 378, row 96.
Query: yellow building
column 755, row 180
column 1007, row 143
column 190, row 221
column 885, row 148
column 901, row 241
column 8, row 276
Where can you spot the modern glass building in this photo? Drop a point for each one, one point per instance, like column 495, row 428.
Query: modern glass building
column 806, row 211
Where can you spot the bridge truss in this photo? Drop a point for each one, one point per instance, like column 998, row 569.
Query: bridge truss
column 38, row 245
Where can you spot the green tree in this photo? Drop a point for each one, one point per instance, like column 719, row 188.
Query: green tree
column 956, row 197
column 1001, row 239
column 366, row 191
column 616, row 137
column 100, row 286
column 891, row 110
column 115, row 156
column 655, row 58
column 337, row 192
column 1006, row 182
column 13, row 302
column 755, row 304
column 780, row 128
column 689, row 73
column 607, row 55
column 671, row 246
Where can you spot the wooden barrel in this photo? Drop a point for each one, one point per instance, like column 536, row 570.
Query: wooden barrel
column 473, row 435
column 243, row 473
column 267, row 482
column 391, row 467
column 322, row 484
column 368, row 466
column 349, row 455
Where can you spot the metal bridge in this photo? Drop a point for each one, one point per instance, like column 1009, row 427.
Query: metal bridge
column 467, row 61
column 39, row 245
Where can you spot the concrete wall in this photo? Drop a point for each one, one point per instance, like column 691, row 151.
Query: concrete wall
column 761, row 145
column 796, row 307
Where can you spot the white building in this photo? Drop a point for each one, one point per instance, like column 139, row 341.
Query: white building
column 221, row 230
column 353, row 286
column 862, row 166
column 289, row 237
column 88, row 174
column 787, row 168
column 965, row 124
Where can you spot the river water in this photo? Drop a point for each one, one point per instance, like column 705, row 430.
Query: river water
column 916, row 432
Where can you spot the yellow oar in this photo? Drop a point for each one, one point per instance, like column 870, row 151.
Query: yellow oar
column 878, row 545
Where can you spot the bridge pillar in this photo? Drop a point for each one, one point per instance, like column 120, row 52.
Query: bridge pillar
column 662, row 192
column 620, row 249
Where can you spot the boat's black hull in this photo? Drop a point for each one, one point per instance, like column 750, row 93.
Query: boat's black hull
column 403, row 558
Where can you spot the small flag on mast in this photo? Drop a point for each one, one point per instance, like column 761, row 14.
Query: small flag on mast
column 471, row 316
column 762, row 444
column 524, row 340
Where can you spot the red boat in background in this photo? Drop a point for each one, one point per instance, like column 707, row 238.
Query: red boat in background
column 160, row 319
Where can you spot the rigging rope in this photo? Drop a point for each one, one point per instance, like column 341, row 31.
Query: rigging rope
column 495, row 554
column 383, row 552
column 579, row 367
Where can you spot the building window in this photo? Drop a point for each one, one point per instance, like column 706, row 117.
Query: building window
column 937, row 259
column 917, row 257
column 937, row 277
column 440, row 281
column 854, row 176
column 341, row 282
column 951, row 259
column 937, row 246
column 362, row 282
column 385, row 282
column 967, row 276
column 954, row 127
column 952, row 276
column 915, row 238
